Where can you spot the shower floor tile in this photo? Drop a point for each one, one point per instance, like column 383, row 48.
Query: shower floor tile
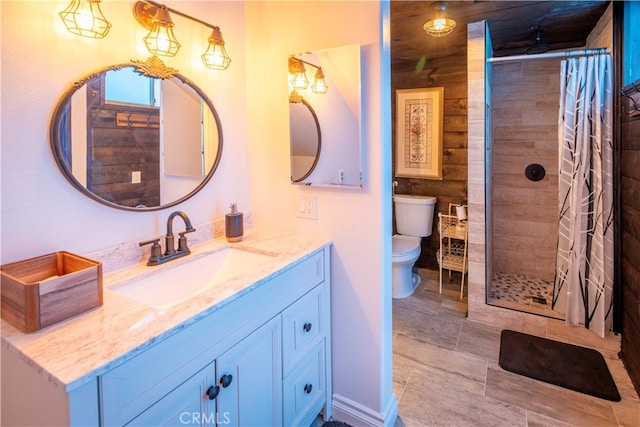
column 524, row 293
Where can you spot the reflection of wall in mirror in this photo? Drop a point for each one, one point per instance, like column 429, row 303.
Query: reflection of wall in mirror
column 340, row 140
column 180, row 138
column 191, row 132
column 79, row 133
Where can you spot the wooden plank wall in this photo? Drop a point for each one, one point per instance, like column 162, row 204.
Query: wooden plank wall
column 449, row 72
column 525, row 130
column 630, row 202
column 115, row 151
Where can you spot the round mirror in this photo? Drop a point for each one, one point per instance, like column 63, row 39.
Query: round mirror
column 136, row 139
column 305, row 138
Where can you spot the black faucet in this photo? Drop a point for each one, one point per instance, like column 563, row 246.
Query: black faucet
column 157, row 257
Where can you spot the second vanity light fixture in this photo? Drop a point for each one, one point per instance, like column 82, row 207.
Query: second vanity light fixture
column 162, row 41
column 85, row 18
column 298, row 80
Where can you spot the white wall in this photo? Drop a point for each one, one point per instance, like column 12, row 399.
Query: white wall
column 358, row 222
column 42, row 213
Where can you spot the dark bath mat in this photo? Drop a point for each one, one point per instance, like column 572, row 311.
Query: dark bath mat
column 335, row 424
column 570, row 366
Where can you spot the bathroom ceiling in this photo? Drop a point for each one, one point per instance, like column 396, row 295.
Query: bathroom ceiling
column 512, row 25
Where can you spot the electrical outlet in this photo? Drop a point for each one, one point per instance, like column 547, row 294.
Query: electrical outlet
column 307, row 206
column 340, row 176
column 136, row 177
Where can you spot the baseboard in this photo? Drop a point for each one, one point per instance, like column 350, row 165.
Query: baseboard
column 350, row 412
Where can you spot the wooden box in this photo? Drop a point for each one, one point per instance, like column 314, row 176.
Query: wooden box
column 42, row 291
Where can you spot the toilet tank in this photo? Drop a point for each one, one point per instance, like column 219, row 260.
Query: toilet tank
column 414, row 214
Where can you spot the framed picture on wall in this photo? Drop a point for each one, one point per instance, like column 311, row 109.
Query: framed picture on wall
column 419, row 132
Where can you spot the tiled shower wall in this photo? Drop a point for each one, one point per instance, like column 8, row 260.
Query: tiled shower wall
column 480, row 177
column 524, row 114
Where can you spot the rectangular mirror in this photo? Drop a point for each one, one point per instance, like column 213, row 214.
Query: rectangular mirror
column 325, row 106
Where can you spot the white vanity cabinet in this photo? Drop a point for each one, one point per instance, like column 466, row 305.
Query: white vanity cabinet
column 260, row 360
column 259, row 357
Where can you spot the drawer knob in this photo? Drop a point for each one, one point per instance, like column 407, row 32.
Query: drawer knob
column 225, row 380
column 213, row 391
column 307, row 327
column 308, row 388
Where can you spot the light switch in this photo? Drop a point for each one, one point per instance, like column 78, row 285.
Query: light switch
column 136, row 177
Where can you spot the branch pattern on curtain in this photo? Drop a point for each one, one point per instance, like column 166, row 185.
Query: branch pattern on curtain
column 583, row 284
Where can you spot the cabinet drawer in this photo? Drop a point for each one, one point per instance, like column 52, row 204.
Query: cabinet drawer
column 304, row 389
column 302, row 327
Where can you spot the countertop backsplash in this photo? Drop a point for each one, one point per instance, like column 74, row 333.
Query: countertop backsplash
column 131, row 253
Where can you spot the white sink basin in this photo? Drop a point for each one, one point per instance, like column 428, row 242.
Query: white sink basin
column 169, row 286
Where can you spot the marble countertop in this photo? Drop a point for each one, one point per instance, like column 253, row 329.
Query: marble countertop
column 77, row 350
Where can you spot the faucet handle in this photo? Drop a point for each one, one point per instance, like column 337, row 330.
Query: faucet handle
column 182, row 240
column 156, row 250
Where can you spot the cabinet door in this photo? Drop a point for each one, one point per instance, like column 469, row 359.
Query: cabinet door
column 188, row 404
column 250, row 379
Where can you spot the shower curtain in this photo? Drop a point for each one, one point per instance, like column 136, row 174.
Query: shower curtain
column 583, row 284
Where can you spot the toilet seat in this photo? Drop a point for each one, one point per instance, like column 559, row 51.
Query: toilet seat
column 405, row 247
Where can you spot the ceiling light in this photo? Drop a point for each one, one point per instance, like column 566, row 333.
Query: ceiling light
column 84, row 18
column 439, row 25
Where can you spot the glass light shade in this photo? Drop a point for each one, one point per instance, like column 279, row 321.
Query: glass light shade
column 161, row 40
column 297, row 75
column 319, row 85
column 84, row 18
column 215, row 57
column 439, row 27
column 299, row 81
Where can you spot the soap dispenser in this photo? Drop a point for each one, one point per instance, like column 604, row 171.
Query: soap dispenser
column 233, row 224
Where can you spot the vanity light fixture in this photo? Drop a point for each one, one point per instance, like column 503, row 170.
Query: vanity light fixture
column 161, row 40
column 439, row 25
column 84, row 18
column 298, row 78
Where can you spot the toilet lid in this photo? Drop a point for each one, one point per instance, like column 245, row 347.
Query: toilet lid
column 401, row 245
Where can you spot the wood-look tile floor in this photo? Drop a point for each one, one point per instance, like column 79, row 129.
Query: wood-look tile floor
column 446, row 372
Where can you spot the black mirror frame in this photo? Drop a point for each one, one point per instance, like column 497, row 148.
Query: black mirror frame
column 56, row 146
column 315, row 162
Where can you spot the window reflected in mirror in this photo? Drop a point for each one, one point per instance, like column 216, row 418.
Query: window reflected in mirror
column 125, row 86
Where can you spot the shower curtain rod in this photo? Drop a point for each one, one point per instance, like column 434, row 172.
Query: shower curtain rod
column 565, row 54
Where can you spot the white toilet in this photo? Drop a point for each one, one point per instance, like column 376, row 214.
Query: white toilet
column 414, row 220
